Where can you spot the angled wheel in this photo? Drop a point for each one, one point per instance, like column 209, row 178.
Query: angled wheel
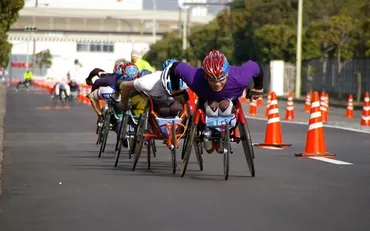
column 188, row 147
column 186, row 139
column 226, row 149
column 148, row 148
column 246, row 139
column 154, row 148
column 122, row 134
column 198, row 153
column 105, row 132
column 139, row 140
column 173, row 150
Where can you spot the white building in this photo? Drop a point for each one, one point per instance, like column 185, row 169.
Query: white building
column 93, row 37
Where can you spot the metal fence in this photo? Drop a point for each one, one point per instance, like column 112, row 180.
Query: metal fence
column 339, row 81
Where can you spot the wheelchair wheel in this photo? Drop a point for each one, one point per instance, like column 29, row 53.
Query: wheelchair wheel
column 198, row 153
column 105, row 132
column 188, row 147
column 139, row 140
column 154, row 148
column 100, row 133
column 186, row 139
column 173, row 150
column 247, row 146
column 122, row 133
column 148, row 147
column 226, row 147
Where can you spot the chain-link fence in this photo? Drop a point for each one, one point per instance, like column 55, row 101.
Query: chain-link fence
column 349, row 77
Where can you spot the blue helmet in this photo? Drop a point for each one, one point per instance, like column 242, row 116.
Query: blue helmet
column 168, row 62
column 144, row 72
column 130, row 70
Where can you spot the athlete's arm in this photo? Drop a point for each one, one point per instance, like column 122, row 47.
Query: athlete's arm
column 181, row 70
column 93, row 73
column 104, row 82
column 126, row 88
column 258, row 79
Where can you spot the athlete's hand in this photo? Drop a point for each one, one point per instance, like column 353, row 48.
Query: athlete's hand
column 255, row 94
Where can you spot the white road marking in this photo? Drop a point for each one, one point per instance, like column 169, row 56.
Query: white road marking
column 332, row 161
column 325, row 125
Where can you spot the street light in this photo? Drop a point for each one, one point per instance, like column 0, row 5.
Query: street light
column 299, row 51
column 155, row 21
column 122, row 20
column 30, row 29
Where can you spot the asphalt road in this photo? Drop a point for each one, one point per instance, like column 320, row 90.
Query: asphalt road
column 54, row 181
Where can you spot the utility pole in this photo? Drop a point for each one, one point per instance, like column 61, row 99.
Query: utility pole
column 299, row 50
column 155, row 21
column 31, row 30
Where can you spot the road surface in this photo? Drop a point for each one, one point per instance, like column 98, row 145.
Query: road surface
column 53, row 180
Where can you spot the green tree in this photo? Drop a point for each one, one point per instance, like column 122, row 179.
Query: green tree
column 276, row 42
column 342, row 31
column 44, row 59
column 169, row 47
column 8, row 15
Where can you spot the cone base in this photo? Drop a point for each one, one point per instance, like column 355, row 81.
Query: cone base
column 272, row 146
column 308, row 155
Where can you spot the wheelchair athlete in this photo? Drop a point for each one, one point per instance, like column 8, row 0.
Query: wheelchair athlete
column 60, row 87
column 217, row 84
column 103, row 87
column 167, row 103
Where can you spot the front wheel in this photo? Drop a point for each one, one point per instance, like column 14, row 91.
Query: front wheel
column 247, row 146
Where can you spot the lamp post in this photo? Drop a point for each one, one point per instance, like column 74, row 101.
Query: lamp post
column 30, row 29
column 299, row 50
column 154, row 21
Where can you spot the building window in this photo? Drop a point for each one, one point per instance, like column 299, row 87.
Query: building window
column 95, row 47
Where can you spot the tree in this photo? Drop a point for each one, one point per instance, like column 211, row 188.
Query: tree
column 169, row 47
column 44, row 59
column 342, row 32
column 276, row 42
column 8, row 15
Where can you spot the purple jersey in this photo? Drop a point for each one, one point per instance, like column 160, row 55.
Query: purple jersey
column 237, row 80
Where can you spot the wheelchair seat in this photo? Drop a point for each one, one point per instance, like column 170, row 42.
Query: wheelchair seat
column 168, row 120
column 215, row 122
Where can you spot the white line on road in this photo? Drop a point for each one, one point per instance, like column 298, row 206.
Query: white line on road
column 325, row 125
column 332, row 161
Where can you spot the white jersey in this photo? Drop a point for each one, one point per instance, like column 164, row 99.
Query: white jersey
column 105, row 92
column 151, row 84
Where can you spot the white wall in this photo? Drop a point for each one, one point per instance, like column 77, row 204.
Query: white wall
column 89, row 4
column 65, row 53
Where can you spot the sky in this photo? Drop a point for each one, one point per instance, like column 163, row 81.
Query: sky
column 147, row 4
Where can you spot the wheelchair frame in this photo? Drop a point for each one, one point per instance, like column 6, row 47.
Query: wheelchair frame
column 148, row 129
column 226, row 136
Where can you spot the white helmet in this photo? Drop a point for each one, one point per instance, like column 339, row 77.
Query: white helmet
column 166, row 80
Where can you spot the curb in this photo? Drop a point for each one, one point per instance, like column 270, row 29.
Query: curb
column 2, row 115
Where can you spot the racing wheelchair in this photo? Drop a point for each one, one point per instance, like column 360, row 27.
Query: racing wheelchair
column 112, row 118
column 223, row 130
column 152, row 127
column 127, row 132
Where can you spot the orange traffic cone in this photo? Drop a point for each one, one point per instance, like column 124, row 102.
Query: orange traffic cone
column 323, row 107
column 289, row 112
column 259, row 102
column 365, row 119
column 253, row 108
column 268, row 104
column 307, row 104
column 315, row 142
column 273, row 137
column 349, row 111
